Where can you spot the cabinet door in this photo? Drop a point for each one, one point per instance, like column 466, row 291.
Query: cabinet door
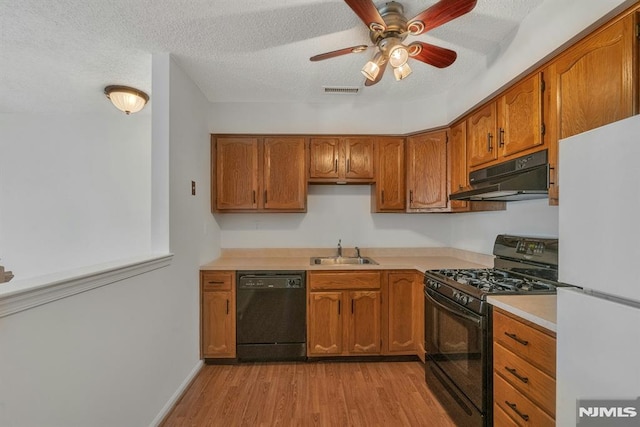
column 364, row 322
column 323, row 157
column 427, row 172
column 459, row 176
column 236, row 173
column 390, row 176
column 481, row 136
column 358, row 158
column 593, row 83
column 401, row 332
column 520, row 113
column 218, row 324
column 285, row 183
column 325, row 327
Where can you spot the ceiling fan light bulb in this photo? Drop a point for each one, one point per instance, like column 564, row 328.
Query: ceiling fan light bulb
column 402, row 72
column 398, row 56
column 371, row 70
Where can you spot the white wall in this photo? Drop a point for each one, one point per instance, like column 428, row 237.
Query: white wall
column 476, row 231
column 117, row 355
column 334, row 212
column 74, row 190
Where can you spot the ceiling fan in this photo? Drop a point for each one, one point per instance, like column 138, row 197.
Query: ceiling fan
column 388, row 28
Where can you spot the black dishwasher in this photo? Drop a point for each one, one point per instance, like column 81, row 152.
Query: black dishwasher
column 271, row 315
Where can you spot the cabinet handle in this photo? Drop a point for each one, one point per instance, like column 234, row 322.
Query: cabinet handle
column 551, row 169
column 514, row 407
column 227, row 306
column 348, row 165
column 352, row 306
column 516, row 338
column 501, row 138
column 383, row 197
column 254, row 197
column 489, row 138
column 515, row 373
column 338, row 307
column 216, row 282
column 265, row 197
column 410, row 196
column 335, row 165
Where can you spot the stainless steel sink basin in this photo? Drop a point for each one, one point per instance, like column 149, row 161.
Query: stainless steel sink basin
column 334, row 260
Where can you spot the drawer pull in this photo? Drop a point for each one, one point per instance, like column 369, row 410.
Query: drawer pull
column 216, row 282
column 516, row 338
column 515, row 373
column 514, row 408
column 227, row 306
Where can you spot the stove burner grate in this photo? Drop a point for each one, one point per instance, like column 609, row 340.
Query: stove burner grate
column 494, row 281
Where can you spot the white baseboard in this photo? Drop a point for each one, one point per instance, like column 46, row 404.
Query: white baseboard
column 177, row 395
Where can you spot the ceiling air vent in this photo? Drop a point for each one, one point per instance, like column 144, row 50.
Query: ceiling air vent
column 345, row 90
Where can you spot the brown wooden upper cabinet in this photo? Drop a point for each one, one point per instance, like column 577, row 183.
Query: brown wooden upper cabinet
column 595, row 82
column 258, row 174
column 509, row 125
column 390, row 193
column 341, row 159
column 457, row 160
column 427, row 171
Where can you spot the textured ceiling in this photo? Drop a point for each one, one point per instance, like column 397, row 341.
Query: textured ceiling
column 59, row 55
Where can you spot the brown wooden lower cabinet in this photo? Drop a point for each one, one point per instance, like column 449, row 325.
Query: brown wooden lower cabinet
column 217, row 314
column 524, row 385
column 401, row 324
column 343, row 313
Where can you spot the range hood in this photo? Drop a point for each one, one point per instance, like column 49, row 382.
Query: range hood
column 523, row 178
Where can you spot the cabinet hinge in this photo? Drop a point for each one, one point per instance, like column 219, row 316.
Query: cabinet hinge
column 543, row 129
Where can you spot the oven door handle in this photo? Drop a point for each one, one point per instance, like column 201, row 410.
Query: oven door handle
column 451, row 309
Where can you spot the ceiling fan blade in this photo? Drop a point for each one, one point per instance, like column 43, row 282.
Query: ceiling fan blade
column 368, row 82
column 433, row 55
column 368, row 13
column 438, row 14
column 345, row 51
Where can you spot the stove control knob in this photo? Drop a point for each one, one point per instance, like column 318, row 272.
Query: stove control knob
column 464, row 299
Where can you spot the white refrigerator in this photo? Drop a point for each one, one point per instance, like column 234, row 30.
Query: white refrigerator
column 598, row 327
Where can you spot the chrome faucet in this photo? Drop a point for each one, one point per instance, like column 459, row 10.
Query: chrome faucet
column 339, row 248
column 358, row 252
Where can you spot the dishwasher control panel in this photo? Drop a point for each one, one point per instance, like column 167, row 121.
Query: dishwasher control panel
column 271, row 280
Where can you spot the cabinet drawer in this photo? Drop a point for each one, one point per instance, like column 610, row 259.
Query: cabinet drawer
column 344, row 280
column 216, row 280
column 534, row 346
column 527, row 379
column 518, row 407
column 501, row 419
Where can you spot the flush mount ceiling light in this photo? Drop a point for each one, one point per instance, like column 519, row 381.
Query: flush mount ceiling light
column 388, row 28
column 126, row 98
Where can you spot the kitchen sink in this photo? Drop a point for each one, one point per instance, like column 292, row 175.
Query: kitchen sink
column 337, row 260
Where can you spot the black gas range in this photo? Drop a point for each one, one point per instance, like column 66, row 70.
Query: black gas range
column 458, row 321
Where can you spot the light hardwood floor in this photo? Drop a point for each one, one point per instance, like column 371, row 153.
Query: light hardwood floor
column 309, row 394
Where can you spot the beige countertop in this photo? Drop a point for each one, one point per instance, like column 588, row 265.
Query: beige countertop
column 420, row 259
column 539, row 309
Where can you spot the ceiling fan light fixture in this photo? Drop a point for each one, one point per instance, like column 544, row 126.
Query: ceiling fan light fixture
column 402, row 72
column 372, row 68
column 398, row 56
column 126, row 99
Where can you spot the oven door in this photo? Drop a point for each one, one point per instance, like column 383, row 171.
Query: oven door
column 456, row 370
